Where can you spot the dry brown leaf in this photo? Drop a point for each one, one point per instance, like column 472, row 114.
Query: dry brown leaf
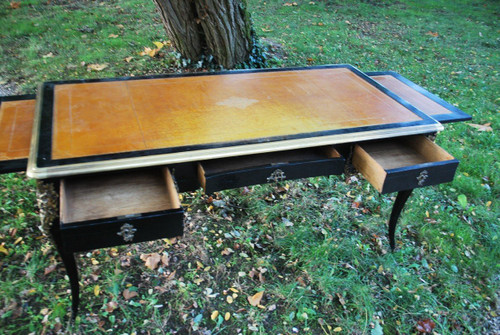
column 128, row 59
column 127, row 294
column 165, row 260
column 111, row 306
column 15, row 4
column 256, row 298
column 432, row 34
column 481, row 127
column 425, row 326
column 49, row 269
column 151, row 260
column 113, row 36
column 171, row 275
column 227, row 252
column 96, row 67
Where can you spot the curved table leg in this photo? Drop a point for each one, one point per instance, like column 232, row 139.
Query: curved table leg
column 396, row 211
column 69, row 261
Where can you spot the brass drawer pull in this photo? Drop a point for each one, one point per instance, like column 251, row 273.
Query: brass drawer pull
column 276, row 176
column 422, row 177
column 127, row 231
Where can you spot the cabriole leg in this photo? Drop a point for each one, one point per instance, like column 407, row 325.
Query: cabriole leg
column 69, row 261
column 398, row 206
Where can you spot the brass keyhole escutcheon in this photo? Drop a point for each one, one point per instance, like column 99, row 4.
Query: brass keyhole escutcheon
column 127, row 232
column 276, row 176
column 422, row 177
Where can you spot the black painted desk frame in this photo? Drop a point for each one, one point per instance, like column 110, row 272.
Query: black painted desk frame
column 186, row 175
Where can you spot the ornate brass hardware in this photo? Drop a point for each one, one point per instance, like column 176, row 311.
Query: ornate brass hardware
column 127, row 231
column 276, row 176
column 422, row 177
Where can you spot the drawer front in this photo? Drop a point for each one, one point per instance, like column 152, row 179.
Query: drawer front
column 405, row 163
column 419, row 176
column 112, row 232
column 98, row 211
column 213, row 177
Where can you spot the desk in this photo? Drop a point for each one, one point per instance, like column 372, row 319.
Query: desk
column 111, row 155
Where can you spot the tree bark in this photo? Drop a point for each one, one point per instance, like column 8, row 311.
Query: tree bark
column 221, row 28
column 180, row 21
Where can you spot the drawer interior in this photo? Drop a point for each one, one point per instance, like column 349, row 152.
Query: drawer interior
column 119, row 194
column 404, row 152
column 403, row 163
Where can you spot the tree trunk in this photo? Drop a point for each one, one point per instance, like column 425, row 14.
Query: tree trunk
column 220, row 28
column 180, row 21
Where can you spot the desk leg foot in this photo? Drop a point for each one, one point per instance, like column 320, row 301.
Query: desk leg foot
column 69, row 261
column 396, row 211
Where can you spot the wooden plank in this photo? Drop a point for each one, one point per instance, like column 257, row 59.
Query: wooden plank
column 369, row 167
column 115, row 194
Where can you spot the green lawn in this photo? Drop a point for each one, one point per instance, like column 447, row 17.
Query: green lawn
column 317, row 248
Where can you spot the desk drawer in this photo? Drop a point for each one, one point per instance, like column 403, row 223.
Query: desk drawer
column 226, row 173
column 106, row 210
column 403, row 163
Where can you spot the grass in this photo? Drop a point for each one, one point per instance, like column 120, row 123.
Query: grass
column 317, row 248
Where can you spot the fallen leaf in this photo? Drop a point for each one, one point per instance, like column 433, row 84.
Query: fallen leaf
column 128, row 59
column 151, row 260
column 3, row 250
column 49, row 269
column 111, row 306
column 425, row 326
column 256, row 298
column 113, row 35
column 337, row 329
column 159, row 45
column 128, row 294
column 481, row 127
column 97, row 290
column 165, row 260
column 432, row 34
column 15, row 5
column 49, row 55
column 227, row 252
column 96, row 67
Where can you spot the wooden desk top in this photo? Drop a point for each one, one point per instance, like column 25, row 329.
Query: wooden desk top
column 92, row 126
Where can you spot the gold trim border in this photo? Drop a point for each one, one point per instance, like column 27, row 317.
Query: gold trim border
column 212, row 153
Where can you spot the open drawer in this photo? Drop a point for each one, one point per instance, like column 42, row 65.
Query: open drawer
column 226, row 173
column 403, row 163
column 98, row 211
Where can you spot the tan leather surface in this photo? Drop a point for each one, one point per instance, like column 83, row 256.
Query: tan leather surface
column 414, row 97
column 120, row 116
column 16, row 121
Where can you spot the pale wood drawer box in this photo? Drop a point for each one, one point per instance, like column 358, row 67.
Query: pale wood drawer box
column 226, row 173
column 125, row 207
column 403, row 163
